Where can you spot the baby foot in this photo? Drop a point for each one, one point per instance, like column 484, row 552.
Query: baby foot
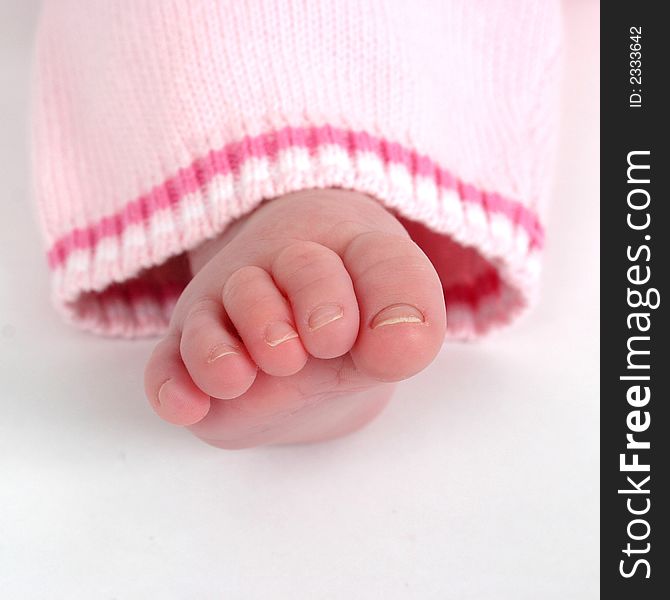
column 295, row 323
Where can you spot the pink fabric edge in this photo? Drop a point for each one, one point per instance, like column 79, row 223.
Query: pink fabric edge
column 199, row 201
column 231, row 158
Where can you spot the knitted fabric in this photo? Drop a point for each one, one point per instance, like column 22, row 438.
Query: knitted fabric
column 158, row 123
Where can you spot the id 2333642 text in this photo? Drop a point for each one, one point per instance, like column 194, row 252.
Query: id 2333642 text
column 635, row 67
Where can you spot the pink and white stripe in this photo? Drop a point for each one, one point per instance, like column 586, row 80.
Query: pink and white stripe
column 199, row 201
column 156, row 124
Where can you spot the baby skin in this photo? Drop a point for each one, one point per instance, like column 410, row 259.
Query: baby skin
column 296, row 323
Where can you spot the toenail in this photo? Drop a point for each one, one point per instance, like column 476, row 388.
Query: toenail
column 162, row 392
column 221, row 350
column 323, row 315
column 278, row 333
column 397, row 313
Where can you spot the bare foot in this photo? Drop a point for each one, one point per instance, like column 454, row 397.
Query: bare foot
column 295, row 323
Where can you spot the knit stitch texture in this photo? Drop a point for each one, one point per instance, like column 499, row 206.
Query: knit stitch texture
column 156, row 124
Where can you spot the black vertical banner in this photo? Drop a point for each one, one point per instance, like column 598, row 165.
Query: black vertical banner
column 635, row 259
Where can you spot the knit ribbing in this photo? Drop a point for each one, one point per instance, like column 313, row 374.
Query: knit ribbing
column 157, row 124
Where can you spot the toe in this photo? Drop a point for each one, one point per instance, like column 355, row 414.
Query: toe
column 169, row 387
column 322, row 298
column 263, row 319
column 401, row 303
column 216, row 360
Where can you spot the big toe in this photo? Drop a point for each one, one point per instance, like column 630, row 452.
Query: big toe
column 401, row 303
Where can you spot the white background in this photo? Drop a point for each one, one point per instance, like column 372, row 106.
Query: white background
column 479, row 482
